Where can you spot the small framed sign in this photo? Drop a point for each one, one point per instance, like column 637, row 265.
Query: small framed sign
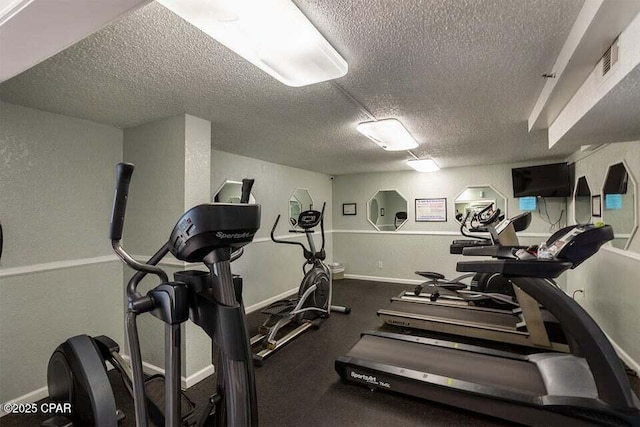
column 349, row 209
column 596, row 206
column 431, row 210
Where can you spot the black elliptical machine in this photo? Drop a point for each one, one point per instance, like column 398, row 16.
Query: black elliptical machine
column 213, row 234
column 490, row 290
column 481, row 289
column 312, row 303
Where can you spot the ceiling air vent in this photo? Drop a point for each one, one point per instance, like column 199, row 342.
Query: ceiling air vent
column 610, row 58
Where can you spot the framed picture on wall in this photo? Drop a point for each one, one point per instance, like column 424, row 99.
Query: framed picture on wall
column 431, row 210
column 596, row 206
column 349, row 209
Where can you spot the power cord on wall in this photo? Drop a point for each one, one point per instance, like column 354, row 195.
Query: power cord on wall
column 547, row 218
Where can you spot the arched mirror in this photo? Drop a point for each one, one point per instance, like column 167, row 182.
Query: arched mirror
column 387, row 210
column 475, row 198
column 582, row 201
column 299, row 201
column 619, row 204
column 230, row 192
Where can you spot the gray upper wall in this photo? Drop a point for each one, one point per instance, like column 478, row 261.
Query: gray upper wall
column 361, row 248
column 156, row 194
column 594, row 167
column 270, row 269
column 273, row 187
column 609, row 279
column 449, row 183
column 56, row 191
column 56, row 186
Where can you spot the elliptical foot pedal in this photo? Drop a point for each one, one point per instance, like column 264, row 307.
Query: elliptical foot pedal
column 57, row 421
column 283, row 307
column 154, row 390
column 258, row 361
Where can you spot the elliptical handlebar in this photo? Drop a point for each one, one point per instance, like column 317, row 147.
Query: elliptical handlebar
column 478, row 216
column 123, row 178
column 273, row 237
column 322, row 225
column 464, row 228
column 246, row 190
column 491, row 219
column 306, row 251
column 124, row 171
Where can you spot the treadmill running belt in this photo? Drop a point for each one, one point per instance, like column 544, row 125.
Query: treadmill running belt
column 455, row 314
column 518, row 375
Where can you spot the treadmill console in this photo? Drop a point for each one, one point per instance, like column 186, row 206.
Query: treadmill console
column 570, row 246
column 576, row 243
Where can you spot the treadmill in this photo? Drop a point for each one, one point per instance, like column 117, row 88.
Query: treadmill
column 588, row 386
column 459, row 311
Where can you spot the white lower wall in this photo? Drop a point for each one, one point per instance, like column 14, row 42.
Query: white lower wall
column 610, row 279
column 402, row 254
column 611, row 294
column 41, row 310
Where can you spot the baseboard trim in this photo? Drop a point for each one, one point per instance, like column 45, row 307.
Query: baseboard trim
column 624, row 355
column 259, row 305
column 31, row 397
column 185, row 382
column 202, row 374
column 384, row 279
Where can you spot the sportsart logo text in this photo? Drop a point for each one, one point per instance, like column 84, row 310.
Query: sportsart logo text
column 245, row 235
column 370, row 379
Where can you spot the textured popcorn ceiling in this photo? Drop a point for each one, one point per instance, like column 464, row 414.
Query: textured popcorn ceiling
column 461, row 75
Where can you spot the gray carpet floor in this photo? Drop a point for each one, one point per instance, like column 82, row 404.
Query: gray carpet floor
column 298, row 385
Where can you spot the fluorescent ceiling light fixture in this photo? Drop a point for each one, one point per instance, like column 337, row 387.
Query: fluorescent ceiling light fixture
column 425, row 165
column 12, row 8
column 274, row 35
column 388, row 134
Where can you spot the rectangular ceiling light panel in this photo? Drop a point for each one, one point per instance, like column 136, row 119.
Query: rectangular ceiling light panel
column 11, row 8
column 426, row 165
column 274, row 35
column 388, row 134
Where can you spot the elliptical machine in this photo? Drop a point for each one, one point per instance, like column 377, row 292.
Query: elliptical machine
column 312, row 303
column 213, row 234
column 480, row 289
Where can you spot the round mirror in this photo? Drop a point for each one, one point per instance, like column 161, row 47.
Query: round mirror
column 619, row 204
column 474, row 199
column 230, row 192
column 582, row 201
column 387, row 210
column 299, row 201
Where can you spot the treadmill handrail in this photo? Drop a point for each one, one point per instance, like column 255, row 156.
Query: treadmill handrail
column 608, row 372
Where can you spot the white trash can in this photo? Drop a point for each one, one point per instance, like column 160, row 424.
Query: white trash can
column 337, row 270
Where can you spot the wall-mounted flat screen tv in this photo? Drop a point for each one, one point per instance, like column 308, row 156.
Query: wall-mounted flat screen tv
column 542, row 181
